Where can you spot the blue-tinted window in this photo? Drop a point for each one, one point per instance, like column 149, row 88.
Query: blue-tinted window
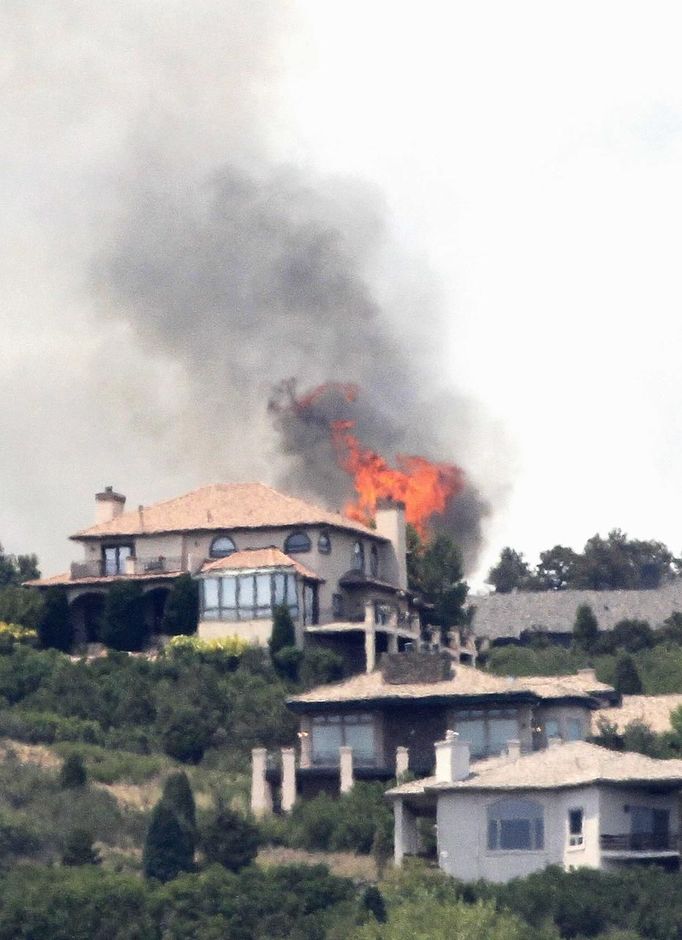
column 297, row 542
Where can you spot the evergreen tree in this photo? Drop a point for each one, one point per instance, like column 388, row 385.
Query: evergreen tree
column 54, row 623
column 626, row 678
column 73, row 773
column 168, row 847
column 229, row 839
column 181, row 613
column 283, row 630
column 79, row 850
column 585, row 628
column 123, row 625
column 434, row 569
column 509, row 573
column 177, row 792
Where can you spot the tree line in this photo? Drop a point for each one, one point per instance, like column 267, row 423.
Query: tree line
column 605, row 564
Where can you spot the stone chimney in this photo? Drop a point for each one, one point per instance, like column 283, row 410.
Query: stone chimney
column 390, row 523
column 452, row 758
column 108, row 505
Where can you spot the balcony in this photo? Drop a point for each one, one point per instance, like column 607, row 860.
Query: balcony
column 99, row 568
column 649, row 843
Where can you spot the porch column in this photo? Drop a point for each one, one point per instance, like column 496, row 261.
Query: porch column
column 345, row 768
column 402, row 762
column 405, row 839
column 288, row 779
column 261, row 793
column 305, row 736
column 370, row 637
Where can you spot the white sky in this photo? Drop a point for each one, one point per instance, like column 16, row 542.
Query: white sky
column 531, row 157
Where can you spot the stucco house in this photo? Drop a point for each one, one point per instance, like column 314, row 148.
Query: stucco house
column 574, row 805
column 386, row 721
column 252, row 547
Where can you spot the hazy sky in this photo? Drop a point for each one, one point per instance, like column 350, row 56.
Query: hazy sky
column 527, row 159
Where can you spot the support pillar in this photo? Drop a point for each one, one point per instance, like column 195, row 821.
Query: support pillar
column 261, row 792
column 370, row 637
column 305, row 737
column 288, row 779
column 346, row 768
column 402, row 762
column 406, row 838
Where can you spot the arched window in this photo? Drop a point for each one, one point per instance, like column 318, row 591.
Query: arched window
column 324, row 544
column 515, row 825
column 297, row 542
column 358, row 560
column 222, row 546
column 374, row 561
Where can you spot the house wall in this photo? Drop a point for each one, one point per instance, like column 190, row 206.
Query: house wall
column 562, row 714
column 148, row 546
column 463, row 834
column 615, row 820
column 253, row 631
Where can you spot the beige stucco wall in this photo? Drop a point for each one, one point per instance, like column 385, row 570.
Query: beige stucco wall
column 463, row 834
column 254, row 631
column 147, row 546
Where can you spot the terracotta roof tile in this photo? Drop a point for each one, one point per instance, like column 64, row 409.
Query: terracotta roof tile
column 259, row 558
column 66, row 579
column 223, row 506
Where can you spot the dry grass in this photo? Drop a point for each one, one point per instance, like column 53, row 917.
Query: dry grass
column 37, row 754
column 343, row 864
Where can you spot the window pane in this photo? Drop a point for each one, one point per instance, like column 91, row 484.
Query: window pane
column 297, row 542
column 327, row 740
column 574, row 729
column 229, row 593
column 515, row 834
column 279, row 589
column 474, row 733
column 221, row 547
column 575, row 822
column 361, row 739
column 263, row 591
column 552, row 728
column 246, row 592
column 502, row 730
column 210, row 592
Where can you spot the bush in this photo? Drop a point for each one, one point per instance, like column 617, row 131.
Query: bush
column 123, row 626
column 181, row 612
column 626, row 679
column 169, row 846
column 320, row 666
column 287, row 661
column 73, row 773
column 352, row 822
column 114, row 766
column 186, row 734
column 46, row 727
column 585, row 628
column 177, row 792
column 78, row 849
column 283, row 630
column 54, row 623
column 228, row 839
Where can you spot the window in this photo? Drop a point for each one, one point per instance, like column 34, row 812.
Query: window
column 358, row 559
column 515, row 825
column 221, row 547
column 574, row 729
column 374, row 561
column 247, row 596
column 309, row 603
column 575, row 827
column 324, row 544
column 487, row 731
column 297, row 542
column 337, row 606
column 552, row 729
column 330, row 732
column 114, row 558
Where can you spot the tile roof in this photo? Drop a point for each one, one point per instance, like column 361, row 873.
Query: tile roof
column 65, row 578
column 654, row 711
column 259, row 558
column 223, row 506
column 575, row 763
column 467, row 680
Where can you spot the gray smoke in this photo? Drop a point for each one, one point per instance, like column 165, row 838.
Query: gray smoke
column 249, row 279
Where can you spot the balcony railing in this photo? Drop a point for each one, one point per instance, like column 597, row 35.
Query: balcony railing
column 641, row 842
column 99, row 568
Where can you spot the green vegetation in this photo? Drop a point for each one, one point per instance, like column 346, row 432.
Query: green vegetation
column 228, row 839
column 434, row 569
column 181, row 610
column 123, row 626
column 54, row 624
column 613, row 563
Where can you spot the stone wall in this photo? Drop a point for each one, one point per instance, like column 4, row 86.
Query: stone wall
column 413, row 667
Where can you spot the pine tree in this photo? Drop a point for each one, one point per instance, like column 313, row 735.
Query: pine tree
column 283, row 630
column 626, row 678
column 585, row 628
column 73, row 773
column 177, row 792
column 168, row 848
column 181, row 613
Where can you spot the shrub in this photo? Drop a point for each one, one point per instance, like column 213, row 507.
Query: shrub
column 54, row 623
column 228, row 839
column 181, row 612
column 112, row 766
column 123, row 626
column 633, row 635
column 626, row 680
column 283, row 630
column 78, row 849
column 287, row 661
column 320, row 666
column 169, row 847
column 73, row 773
column 185, row 735
column 46, row 727
column 585, row 628
column 350, row 822
column 177, row 792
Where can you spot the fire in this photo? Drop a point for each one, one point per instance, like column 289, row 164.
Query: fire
column 425, row 487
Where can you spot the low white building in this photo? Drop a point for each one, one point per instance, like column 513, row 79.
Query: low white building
column 574, row 805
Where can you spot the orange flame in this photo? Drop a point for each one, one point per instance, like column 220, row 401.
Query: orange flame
column 426, row 488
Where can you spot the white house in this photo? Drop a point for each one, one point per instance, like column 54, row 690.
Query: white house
column 574, row 804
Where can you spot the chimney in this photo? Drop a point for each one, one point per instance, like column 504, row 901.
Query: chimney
column 108, row 505
column 452, row 758
column 588, row 674
column 390, row 523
